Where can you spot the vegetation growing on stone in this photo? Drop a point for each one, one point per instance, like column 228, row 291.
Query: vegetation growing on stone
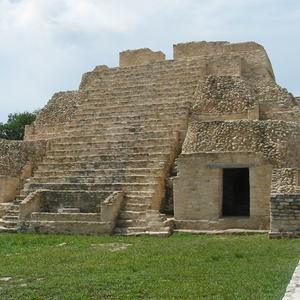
column 14, row 128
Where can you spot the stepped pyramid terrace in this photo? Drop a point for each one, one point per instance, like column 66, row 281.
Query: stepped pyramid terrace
column 205, row 141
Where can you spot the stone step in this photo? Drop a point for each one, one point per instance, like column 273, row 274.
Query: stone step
column 92, row 187
column 146, row 123
column 139, row 71
column 139, row 98
column 102, row 164
column 14, row 207
column 128, row 136
column 132, row 109
column 156, row 74
column 101, row 172
column 4, row 229
column 131, row 223
column 13, row 212
column 108, row 157
column 89, row 195
column 118, row 125
column 133, row 101
column 136, row 198
column 68, row 227
column 10, row 217
column 162, row 85
column 132, row 215
column 104, row 179
column 149, row 115
column 116, row 99
column 145, row 87
column 113, row 144
column 166, row 84
column 114, row 151
column 98, row 129
column 138, row 95
column 68, row 210
column 83, row 137
column 161, row 80
column 142, row 194
column 86, row 217
column 8, row 223
column 137, row 206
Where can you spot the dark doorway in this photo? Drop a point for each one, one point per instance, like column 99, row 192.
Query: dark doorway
column 236, row 192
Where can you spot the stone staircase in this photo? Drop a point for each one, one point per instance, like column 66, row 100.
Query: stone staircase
column 10, row 221
column 125, row 137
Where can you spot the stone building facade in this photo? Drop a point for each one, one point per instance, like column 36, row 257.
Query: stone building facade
column 205, row 141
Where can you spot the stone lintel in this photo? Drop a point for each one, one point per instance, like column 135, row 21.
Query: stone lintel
column 229, row 166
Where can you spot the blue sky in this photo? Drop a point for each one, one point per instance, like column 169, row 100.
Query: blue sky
column 46, row 46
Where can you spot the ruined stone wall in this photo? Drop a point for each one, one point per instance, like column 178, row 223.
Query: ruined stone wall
column 140, row 57
column 270, row 92
column 15, row 154
column 286, row 181
column 17, row 161
column 60, row 110
column 12, row 157
column 285, row 202
column 275, row 102
column 223, row 95
column 232, row 98
column 285, row 215
column 278, row 141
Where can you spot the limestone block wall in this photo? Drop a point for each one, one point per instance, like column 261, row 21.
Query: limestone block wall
column 198, row 191
column 285, row 202
column 258, row 63
column 86, row 201
column 8, row 187
column 224, row 65
column 17, row 161
column 285, row 215
column 140, row 57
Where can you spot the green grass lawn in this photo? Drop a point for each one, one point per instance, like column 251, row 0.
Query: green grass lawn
column 178, row 267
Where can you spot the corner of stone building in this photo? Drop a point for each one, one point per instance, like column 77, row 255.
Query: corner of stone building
column 139, row 57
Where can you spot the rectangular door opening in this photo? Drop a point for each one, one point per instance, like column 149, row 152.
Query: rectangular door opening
column 236, row 192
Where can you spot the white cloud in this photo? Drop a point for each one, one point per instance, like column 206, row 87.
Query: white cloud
column 83, row 15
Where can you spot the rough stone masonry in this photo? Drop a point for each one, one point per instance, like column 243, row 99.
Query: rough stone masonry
column 205, row 141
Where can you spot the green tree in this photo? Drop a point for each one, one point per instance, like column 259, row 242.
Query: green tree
column 14, row 128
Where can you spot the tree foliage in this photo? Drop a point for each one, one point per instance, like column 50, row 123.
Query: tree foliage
column 14, row 128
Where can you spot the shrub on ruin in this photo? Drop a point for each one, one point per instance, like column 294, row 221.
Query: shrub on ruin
column 14, row 128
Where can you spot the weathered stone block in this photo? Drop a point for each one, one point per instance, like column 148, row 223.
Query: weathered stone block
column 140, row 57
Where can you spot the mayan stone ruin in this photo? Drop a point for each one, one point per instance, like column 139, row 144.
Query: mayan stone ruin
column 204, row 141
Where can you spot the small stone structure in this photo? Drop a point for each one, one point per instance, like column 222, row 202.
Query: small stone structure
column 208, row 138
